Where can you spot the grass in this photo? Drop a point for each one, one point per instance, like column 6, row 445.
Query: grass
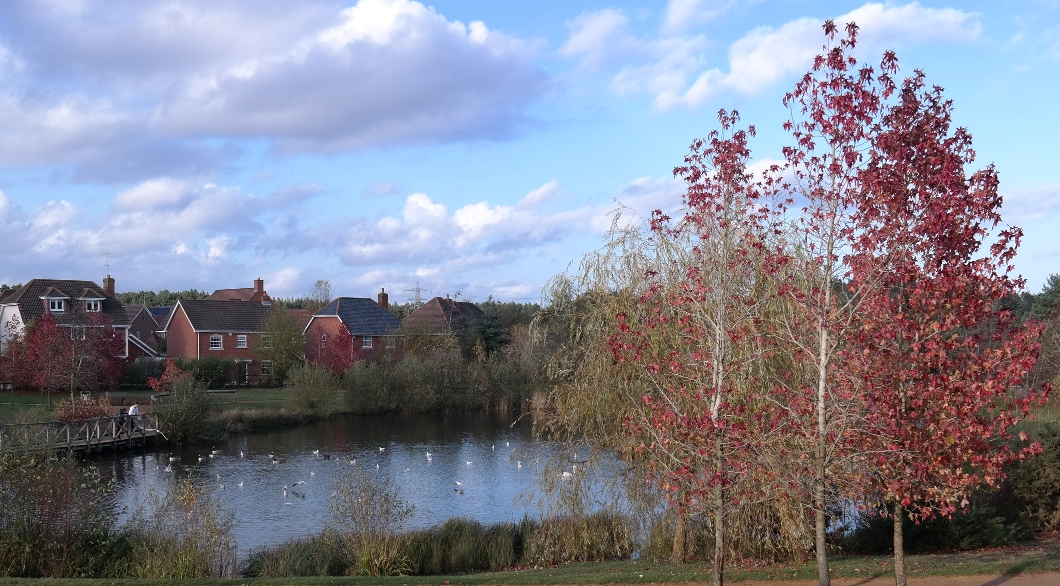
column 1032, row 557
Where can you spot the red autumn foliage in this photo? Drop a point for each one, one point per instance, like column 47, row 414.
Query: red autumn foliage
column 338, row 355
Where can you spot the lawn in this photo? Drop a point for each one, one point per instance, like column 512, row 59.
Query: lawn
column 1033, row 557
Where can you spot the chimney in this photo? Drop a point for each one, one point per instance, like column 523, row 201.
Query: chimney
column 259, row 284
column 383, row 298
column 108, row 286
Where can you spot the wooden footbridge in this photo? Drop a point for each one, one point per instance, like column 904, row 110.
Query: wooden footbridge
column 83, row 435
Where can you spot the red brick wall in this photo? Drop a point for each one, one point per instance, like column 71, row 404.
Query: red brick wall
column 181, row 340
column 228, row 341
column 144, row 327
column 331, row 326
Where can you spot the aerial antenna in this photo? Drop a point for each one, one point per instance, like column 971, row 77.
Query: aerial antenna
column 107, row 255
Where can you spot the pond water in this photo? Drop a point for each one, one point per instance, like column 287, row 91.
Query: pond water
column 493, row 456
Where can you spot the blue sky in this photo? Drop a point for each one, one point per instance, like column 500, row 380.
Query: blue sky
column 473, row 146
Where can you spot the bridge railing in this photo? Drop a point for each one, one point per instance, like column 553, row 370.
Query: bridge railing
column 76, row 434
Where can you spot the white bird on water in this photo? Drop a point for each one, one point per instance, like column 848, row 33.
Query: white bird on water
column 519, row 464
column 297, row 483
column 469, row 462
column 458, row 483
column 285, row 491
column 311, row 473
column 316, row 452
column 240, row 485
column 382, row 449
column 168, row 468
column 240, row 454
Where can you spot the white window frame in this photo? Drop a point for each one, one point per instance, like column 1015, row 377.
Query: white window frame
column 217, row 342
column 366, row 342
column 391, row 342
column 57, row 305
column 266, row 368
column 241, row 341
column 93, row 305
column 266, row 341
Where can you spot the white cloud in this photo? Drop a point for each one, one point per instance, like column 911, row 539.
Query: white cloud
column 672, row 66
column 146, row 89
column 1031, row 204
column 540, row 195
column 164, row 192
column 389, row 72
column 596, row 36
column 679, row 15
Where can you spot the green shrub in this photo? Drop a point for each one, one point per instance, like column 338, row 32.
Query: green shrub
column 1036, row 482
column 188, row 535
column 138, row 371
column 368, row 517
column 463, row 545
column 212, row 372
column 185, row 415
column 55, row 519
column 313, row 555
column 603, row 535
column 312, row 389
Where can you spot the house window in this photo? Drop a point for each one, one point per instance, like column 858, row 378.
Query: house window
column 323, row 340
column 266, row 341
column 391, row 342
column 241, row 341
column 367, row 342
column 93, row 305
column 56, row 305
column 215, row 342
column 266, row 368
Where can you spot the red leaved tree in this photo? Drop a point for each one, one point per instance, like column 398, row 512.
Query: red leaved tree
column 337, row 355
column 80, row 358
column 837, row 108
column 697, row 336
column 942, row 363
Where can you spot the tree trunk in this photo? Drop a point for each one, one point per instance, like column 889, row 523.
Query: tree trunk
column 678, row 555
column 719, row 535
column 821, row 525
column 899, row 546
column 820, row 520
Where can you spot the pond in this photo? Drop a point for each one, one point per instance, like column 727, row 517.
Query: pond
column 492, row 456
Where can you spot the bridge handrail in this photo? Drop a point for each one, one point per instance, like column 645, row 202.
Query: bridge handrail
column 51, row 434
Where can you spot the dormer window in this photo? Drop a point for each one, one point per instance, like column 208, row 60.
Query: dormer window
column 56, row 305
column 93, row 305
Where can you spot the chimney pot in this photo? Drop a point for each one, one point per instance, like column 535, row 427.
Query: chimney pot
column 108, row 286
column 259, row 284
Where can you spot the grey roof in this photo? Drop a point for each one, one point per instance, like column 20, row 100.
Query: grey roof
column 362, row 316
column 208, row 315
column 31, row 306
column 443, row 315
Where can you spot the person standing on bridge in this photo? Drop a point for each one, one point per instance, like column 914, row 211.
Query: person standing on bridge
column 134, row 415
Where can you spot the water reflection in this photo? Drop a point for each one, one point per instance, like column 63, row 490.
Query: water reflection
column 492, row 457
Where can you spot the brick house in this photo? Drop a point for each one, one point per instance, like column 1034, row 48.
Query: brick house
column 369, row 323
column 201, row 328
column 68, row 301
column 442, row 316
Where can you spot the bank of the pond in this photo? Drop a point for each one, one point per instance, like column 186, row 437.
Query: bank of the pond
column 1031, row 564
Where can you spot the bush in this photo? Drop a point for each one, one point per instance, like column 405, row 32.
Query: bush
column 312, row 389
column 1036, row 483
column 212, row 372
column 140, row 370
column 314, row 555
column 185, row 414
column 189, row 535
column 368, row 516
column 603, row 535
column 54, row 518
column 463, row 545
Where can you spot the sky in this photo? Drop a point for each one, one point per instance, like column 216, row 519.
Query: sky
column 469, row 148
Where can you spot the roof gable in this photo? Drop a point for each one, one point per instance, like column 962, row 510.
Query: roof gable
column 206, row 315
column 32, row 306
column 362, row 316
column 443, row 315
